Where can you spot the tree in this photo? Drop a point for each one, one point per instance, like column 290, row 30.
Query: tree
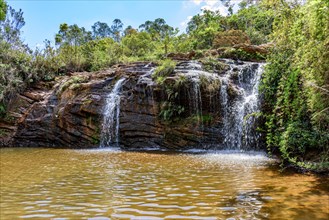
column 16, row 60
column 137, row 44
column 72, row 35
column 203, row 27
column 129, row 30
column 101, row 30
column 116, row 29
column 255, row 20
column 70, row 38
column 146, row 26
column 157, row 28
column 160, row 31
column 101, row 53
column 296, row 81
column 160, row 27
column 169, row 33
column 3, row 10
column 10, row 27
column 182, row 43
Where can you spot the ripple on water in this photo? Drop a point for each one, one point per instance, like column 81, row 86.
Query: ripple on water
column 106, row 184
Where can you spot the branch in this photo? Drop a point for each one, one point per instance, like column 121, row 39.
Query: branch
column 318, row 87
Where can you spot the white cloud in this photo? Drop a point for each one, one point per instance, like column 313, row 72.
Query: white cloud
column 222, row 9
column 39, row 46
column 197, row 2
column 212, row 5
column 183, row 24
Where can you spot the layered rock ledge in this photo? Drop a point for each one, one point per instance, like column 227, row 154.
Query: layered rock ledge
column 68, row 112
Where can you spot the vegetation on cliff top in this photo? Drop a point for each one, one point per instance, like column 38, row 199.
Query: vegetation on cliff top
column 77, row 49
column 295, row 83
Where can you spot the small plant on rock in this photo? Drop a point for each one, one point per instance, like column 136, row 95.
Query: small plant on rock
column 165, row 69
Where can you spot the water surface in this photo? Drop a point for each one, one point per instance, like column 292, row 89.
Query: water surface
column 109, row 184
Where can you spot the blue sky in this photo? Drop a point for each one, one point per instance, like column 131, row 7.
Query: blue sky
column 43, row 17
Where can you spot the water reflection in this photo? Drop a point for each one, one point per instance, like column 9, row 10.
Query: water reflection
column 106, row 184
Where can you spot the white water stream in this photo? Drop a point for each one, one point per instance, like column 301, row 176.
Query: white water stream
column 110, row 127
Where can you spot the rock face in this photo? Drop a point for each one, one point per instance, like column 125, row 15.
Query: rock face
column 62, row 114
column 180, row 111
column 142, row 121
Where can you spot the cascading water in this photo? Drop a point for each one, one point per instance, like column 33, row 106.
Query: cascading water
column 110, row 127
column 194, row 72
column 229, row 98
column 239, row 112
column 238, row 100
column 196, row 97
column 147, row 82
column 147, row 77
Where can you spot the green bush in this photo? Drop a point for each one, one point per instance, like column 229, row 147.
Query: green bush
column 210, row 85
column 170, row 111
column 242, row 55
column 101, row 53
column 213, row 65
column 138, row 44
column 294, row 85
column 165, row 69
column 72, row 83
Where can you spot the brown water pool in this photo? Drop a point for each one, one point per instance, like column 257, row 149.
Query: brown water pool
column 110, row 184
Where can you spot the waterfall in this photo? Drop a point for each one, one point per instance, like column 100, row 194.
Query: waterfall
column 197, row 99
column 146, row 78
column 111, row 113
column 240, row 103
column 252, row 107
column 221, row 106
column 194, row 72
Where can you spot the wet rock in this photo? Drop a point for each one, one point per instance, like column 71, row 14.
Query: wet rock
column 70, row 116
column 233, row 91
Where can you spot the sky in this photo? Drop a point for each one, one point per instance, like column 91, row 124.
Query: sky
column 43, row 17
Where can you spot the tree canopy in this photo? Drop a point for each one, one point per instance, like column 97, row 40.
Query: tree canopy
column 101, row 30
column 3, row 9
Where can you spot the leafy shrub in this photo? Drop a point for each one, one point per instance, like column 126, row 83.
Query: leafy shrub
column 166, row 68
column 213, row 65
column 230, row 38
column 295, row 83
column 138, row 44
column 170, row 111
column 242, row 55
column 72, row 83
column 297, row 139
column 210, row 85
